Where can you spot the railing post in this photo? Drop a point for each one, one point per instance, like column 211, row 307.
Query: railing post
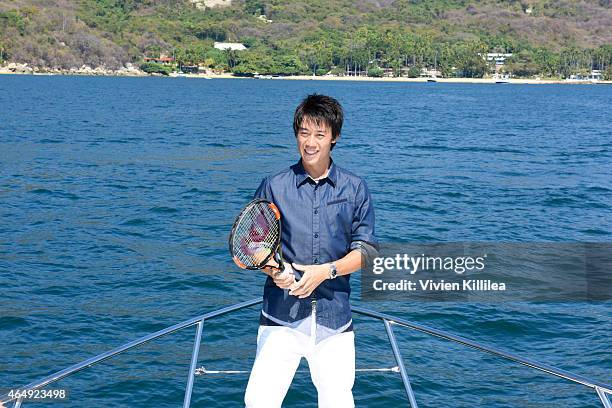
column 400, row 364
column 603, row 397
column 194, row 362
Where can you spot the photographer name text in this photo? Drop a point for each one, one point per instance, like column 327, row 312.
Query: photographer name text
column 431, row 285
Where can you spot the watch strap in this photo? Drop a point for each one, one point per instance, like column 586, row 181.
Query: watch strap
column 333, row 272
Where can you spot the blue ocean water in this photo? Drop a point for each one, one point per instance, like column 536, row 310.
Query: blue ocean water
column 117, row 196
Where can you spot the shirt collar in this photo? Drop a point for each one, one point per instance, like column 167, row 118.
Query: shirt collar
column 301, row 175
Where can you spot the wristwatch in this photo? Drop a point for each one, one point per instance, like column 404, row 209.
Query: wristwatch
column 333, row 272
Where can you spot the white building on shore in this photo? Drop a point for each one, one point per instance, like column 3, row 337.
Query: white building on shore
column 499, row 59
column 230, row 46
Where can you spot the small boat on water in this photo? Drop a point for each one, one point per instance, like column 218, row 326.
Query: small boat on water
column 432, row 80
column 19, row 395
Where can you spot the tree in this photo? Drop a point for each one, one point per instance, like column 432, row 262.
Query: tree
column 367, row 47
column 289, row 65
column 215, row 58
column 573, row 60
column 316, row 56
column 190, row 55
column 502, row 44
column 547, row 62
column 213, row 31
column 254, row 7
column 13, row 18
column 446, row 60
column 392, row 51
column 358, row 54
column 414, row 72
column 473, row 66
column 231, row 57
column 375, row 72
column 523, row 64
column 422, row 48
column 253, row 61
column 154, row 68
column 602, row 57
column 469, row 60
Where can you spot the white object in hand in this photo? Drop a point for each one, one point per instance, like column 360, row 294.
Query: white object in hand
column 288, row 270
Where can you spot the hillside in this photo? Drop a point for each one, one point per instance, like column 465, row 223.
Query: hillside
column 548, row 37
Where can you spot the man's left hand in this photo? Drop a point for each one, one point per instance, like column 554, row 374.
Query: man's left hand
column 312, row 277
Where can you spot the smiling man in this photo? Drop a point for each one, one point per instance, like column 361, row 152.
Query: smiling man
column 327, row 225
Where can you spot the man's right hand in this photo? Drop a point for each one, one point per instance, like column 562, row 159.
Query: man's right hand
column 285, row 279
column 282, row 279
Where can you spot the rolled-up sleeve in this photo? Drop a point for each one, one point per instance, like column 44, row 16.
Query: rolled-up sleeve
column 363, row 218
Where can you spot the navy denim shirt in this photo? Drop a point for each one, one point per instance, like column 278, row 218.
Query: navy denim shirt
column 321, row 222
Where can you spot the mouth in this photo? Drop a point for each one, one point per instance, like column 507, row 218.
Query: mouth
column 310, row 153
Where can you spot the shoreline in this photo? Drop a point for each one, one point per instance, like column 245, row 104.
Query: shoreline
column 134, row 73
column 525, row 81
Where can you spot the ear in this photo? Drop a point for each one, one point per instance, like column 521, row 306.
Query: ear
column 335, row 140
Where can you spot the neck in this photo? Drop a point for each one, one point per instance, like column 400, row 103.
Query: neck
column 317, row 171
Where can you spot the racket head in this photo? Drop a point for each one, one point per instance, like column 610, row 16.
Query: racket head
column 255, row 235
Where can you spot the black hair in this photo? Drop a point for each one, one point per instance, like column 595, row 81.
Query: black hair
column 320, row 109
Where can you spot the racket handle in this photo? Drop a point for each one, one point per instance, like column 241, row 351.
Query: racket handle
column 280, row 268
column 281, row 265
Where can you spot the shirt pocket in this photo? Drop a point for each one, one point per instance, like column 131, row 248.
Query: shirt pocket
column 337, row 201
column 340, row 216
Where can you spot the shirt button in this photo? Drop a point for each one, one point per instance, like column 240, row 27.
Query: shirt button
column 316, row 211
column 315, row 260
column 316, row 235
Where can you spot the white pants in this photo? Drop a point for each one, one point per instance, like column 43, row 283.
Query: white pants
column 279, row 351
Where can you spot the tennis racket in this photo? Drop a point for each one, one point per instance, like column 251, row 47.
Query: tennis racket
column 255, row 236
column 256, row 239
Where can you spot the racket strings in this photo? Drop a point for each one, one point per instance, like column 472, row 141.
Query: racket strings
column 256, row 235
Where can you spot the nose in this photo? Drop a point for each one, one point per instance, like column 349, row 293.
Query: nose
column 310, row 140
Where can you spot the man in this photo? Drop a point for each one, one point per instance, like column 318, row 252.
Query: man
column 327, row 223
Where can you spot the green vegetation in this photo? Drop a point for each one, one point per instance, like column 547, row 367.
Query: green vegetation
column 414, row 72
column 375, row 72
column 315, row 37
column 155, row 68
column 15, row 18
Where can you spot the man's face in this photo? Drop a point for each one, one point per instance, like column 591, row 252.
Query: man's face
column 314, row 142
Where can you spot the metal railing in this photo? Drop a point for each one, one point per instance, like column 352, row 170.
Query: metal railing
column 602, row 390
